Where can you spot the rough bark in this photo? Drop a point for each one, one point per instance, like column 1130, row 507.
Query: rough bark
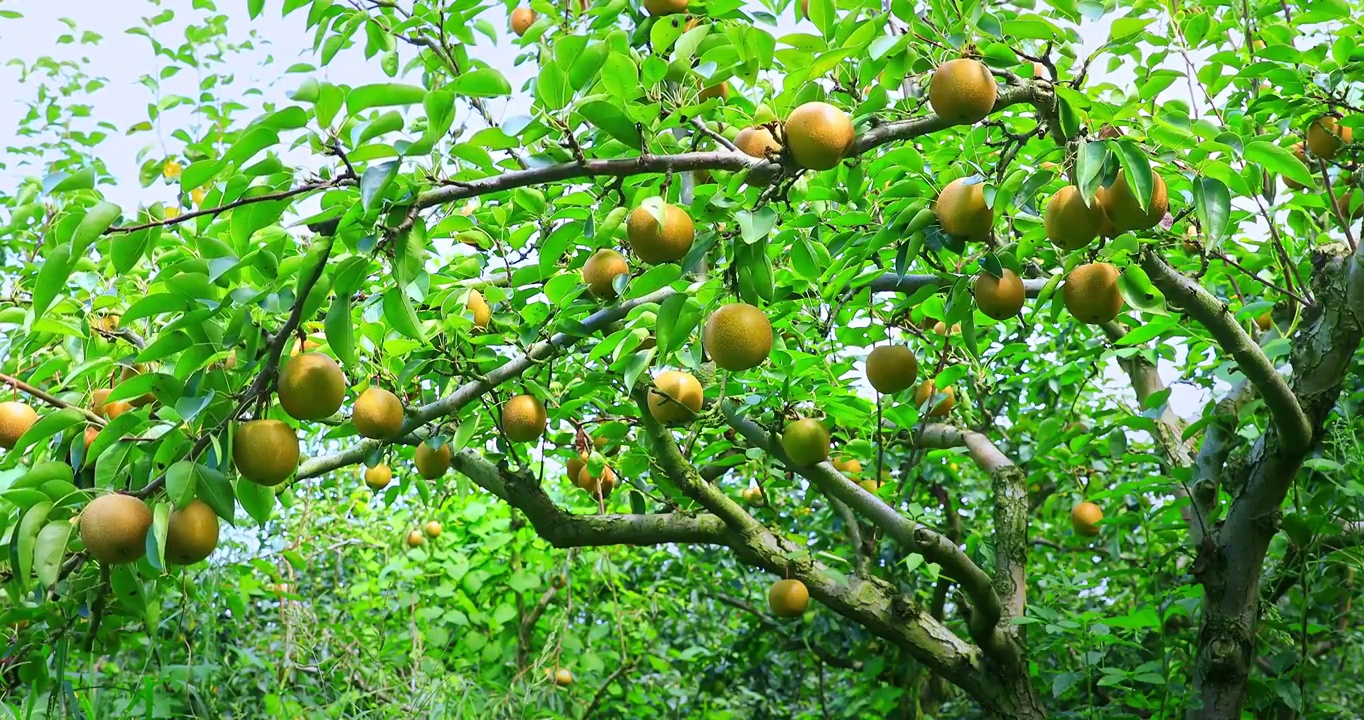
column 1232, row 559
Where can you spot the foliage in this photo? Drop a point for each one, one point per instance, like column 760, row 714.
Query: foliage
column 1215, row 422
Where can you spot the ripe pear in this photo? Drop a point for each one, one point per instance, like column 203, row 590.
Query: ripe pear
column 738, row 336
column 432, row 529
column 962, row 91
column 1091, row 293
column 891, row 368
column 1326, row 136
column 600, row 272
column 415, row 539
column 848, row 466
column 788, row 598
column 192, row 533
column 562, row 677
column 1121, row 207
column 819, row 135
column 311, row 387
column 480, row 309
column 675, row 398
column 960, row 209
column 265, row 451
column 523, row 418
column 1085, row 518
column 928, row 389
column 114, row 528
column 656, row 243
column 1069, row 222
column 659, row 8
column 806, row 442
column 378, row 477
column 999, row 297
column 378, row 414
column 521, row 20
column 757, row 142
column 431, row 463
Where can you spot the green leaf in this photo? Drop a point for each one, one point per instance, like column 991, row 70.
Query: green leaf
column 756, row 226
column 551, row 87
column 1136, row 167
column 48, row 551
column 26, row 539
column 254, row 8
column 1279, row 161
column 257, row 500
column 391, row 121
column 340, row 332
column 678, row 316
column 1212, row 201
column 52, row 276
column 181, row 482
column 46, row 427
column 83, row 179
column 214, row 488
column 638, row 363
column 484, row 82
column 613, row 120
column 586, row 66
column 400, row 314
column 128, row 249
column 620, row 76
column 156, row 537
column 375, row 181
column 246, row 147
column 1136, row 288
column 383, row 95
column 1089, row 165
column 96, row 221
column 157, row 304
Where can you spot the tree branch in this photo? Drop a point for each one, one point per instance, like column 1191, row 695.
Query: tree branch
column 1031, row 92
column 917, row 538
column 49, row 398
column 1009, row 494
column 1218, row 440
column 564, row 529
column 471, row 391
column 338, row 181
column 1214, row 315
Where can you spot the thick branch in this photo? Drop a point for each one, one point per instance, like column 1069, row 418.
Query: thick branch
column 564, row 529
column 1218, row 440
column 1214, row 315
column 1010, row 497
column 917, row 538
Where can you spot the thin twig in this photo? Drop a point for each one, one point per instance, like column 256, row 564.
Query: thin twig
column 48, row 398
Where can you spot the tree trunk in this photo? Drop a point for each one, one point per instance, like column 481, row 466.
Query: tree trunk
column 1013, row 698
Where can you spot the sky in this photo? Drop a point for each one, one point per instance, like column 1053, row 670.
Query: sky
column 123, row 58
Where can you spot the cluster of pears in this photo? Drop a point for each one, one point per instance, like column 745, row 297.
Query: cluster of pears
column 114, row 528
column 417, row 538
column 311, row 387
column 1326, row 137
column 598, row 486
